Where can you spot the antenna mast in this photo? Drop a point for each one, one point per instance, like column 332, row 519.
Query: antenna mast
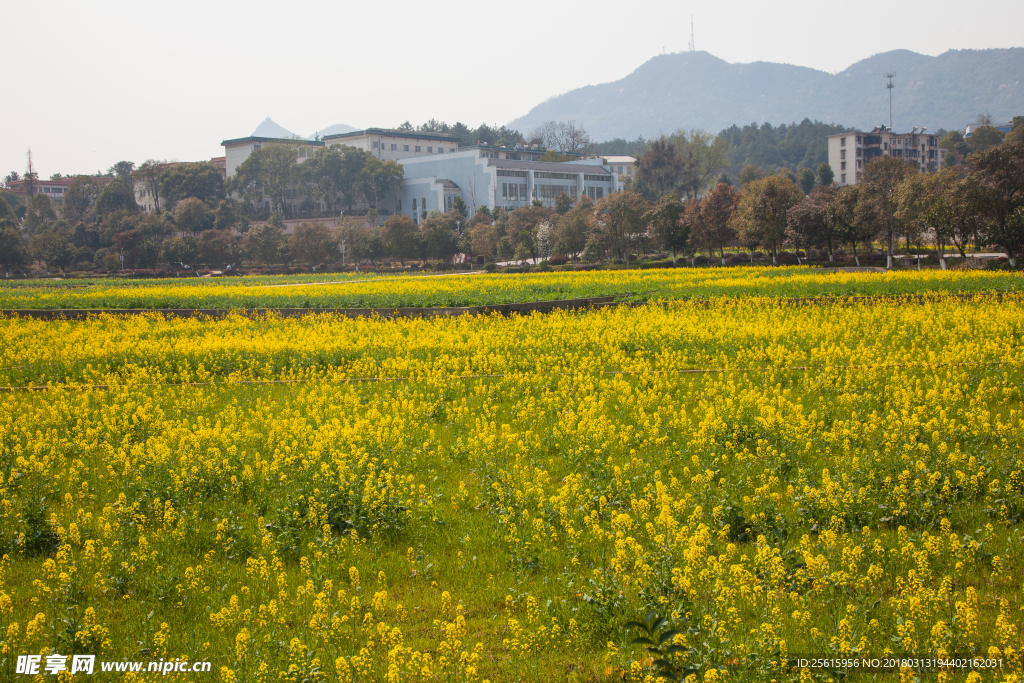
column 691, row 47
column 890, row 85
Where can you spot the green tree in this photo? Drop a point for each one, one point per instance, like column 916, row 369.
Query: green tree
column 268, row 171
column 660, row 169
column 563, row 204
column 954, row 142
column 667, row 228
column 378, row 179
column 807, row 221
column 149, row 176
column 763, row 211
column 183, row 250
column 984, row 137
column 999, row 172
column 116, row 196
column 264, row 241
column 200, row 180
column 459, row 208
column 573, row 230
column 879, row 200
column 225, row 217
column 123, row 170
column 703, row 155
column 52, row 244
column 313, row 242
column 440, row 237
column 192, row 216
column 80, row 198
column 400, row 234
column 749, row 173
column 219, row 248
column 805, row 179
column 8, row 219
column 826, row 176
column 618, row 222
column 324, row 174
column 846, row 222
column 13, row 254
column 522, row 227
column 39, row 213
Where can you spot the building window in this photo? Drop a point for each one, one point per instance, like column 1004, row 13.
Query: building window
column 430, row 150
column 398, row 207
column 394, row 147
column 405, row 148
column 451, row 150
column 414, row 204
column 842, row 178
column 842, row 154
column 417, row 148
column 524, row 194
column 375, row 144
column 302, row 152
column 600, row 192
column 256, row 146
column 858, row 139
column 842, row 142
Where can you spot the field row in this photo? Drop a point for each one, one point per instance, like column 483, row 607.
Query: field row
column 851, row 483
column 475, row 290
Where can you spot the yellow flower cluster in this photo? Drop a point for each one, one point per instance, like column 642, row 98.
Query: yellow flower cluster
column 488, row 498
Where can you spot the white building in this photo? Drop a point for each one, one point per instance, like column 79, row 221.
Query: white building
column 623, row 166
column 392, row 145
column 849, row 152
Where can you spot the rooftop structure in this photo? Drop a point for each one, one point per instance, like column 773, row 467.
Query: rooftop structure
column 54, row 189
column 392, row 145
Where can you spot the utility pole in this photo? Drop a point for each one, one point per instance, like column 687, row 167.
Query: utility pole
column 890, row 85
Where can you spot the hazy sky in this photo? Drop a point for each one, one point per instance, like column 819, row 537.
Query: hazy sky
column 91, row 83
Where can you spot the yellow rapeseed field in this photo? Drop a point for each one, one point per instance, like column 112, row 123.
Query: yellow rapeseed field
column 488, row 498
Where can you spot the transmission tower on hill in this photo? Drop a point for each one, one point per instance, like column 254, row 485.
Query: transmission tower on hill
column 890, row 85
column 691, row 47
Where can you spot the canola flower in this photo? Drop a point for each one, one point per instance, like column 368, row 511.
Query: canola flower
column 365, row 291
column 775, row 479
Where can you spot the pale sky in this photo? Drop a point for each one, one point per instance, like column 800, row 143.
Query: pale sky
column 92, row 83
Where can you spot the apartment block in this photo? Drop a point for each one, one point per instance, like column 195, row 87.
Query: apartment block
column 849, row 152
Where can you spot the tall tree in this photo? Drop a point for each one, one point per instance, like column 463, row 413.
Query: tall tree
column 619, row 222
column 268, row 171
column 200, row 180
column 13, row 254
column 573, row 230
column 807, row 222
column 313, row 242
column 39, row 212
column 522, row 227
column 439, row 236
column 123, row 170
column 8, row 219
column 79, row 198
column 762, row 212
column 193, row 216
column 565, row 137
column 666, row 226
column 880, row 197
column 846, row 222
column 264, row 242
column 148, row 174
column 52, row 244
column 712, row 216
column 400, row 234
column 984, row 137
column 660, row 168
column 323, row 173
column 703, row 156
column 826, row 176
column 378, row 179
column 999, row 171
column 116, row 196
column 805, row 179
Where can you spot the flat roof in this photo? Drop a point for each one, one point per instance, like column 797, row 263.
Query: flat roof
column 617, row 159
column 419, row 135
column 300, row 141
column 549, row 166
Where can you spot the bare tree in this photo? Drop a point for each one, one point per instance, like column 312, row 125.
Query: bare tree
column 565, row 137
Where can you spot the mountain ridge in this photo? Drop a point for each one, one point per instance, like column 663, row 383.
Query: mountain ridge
column 946, row 91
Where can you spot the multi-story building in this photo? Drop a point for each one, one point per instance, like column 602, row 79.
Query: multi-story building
column 849, row 152
column 624, row 166
column 54, row 189
column 238, row 150
column 392, row 145
column 430, row 184
column 1001, row 127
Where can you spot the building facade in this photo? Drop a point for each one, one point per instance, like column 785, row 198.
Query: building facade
column 148, row 201
column 393, row 145
column 848, row 153
column 54, row 189
column 430, row 184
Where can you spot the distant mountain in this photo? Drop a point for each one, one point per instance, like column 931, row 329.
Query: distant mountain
column 269, row 129
column 697, row 89
column 333, row 130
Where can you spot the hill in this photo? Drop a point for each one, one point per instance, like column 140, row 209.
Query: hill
column 697, row 89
